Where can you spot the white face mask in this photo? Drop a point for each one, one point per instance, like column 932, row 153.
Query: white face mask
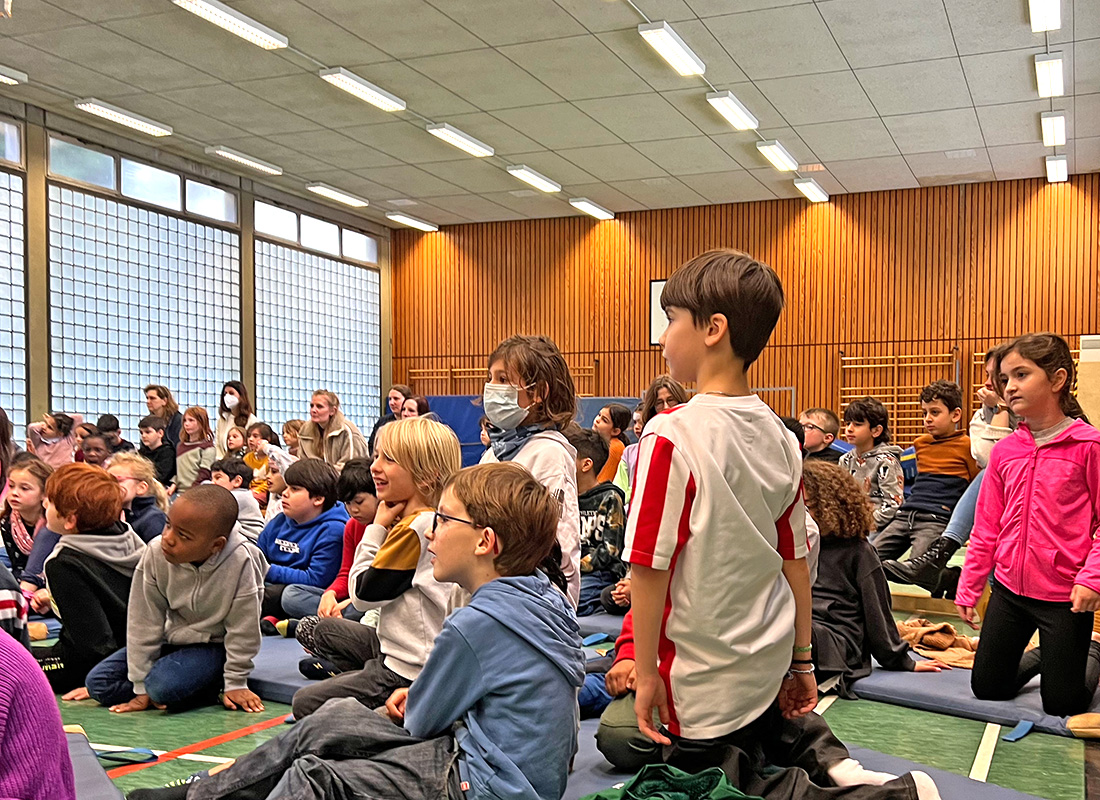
column 231, row 401
column 501, row 404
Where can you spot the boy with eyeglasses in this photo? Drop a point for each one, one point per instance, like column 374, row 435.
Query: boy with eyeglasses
column 820, row 427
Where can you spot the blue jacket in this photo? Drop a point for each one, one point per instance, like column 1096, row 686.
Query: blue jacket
column 508, row 666
column 146, row 518
column 308, row 554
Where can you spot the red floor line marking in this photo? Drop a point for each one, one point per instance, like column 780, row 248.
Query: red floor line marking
column 194, row 747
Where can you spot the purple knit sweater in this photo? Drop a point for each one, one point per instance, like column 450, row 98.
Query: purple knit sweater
column 35, row 764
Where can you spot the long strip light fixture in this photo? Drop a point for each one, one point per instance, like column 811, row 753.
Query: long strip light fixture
column 590, row 208
column 1054, row 128
column 1048, row 74
column 235, row 22
column 733, row 110
column 463, row 141
column 117, row 115
column 1057, row 169
column 339, row 195
column 1046, row 15
column 809, row 187
column 532, row 178
column 412, row 222
column 776, row 153
column 12, row 77
column 673, row 49
column 235, row 155
column 363, row 89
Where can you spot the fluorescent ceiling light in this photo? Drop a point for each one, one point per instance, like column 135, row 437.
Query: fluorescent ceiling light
column 11, row 77
column 671, row 48
column 241, row 158
column 590, row 208
column 813, row 192
column 1057, row 169
column 778, row 155
column 117, row 115
column 1048, row 74
column 528, row 175
column 463, row 141
column 412, row 222
column 1054, row 128
column 733, row 110
column 364, row 90
column 235, row 22
column 332, row 193
column 1046, row 15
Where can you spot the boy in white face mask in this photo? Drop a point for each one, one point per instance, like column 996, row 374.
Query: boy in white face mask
column 529, row 399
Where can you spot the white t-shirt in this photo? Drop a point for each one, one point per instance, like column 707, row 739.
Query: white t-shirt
column 718, row 502
column 553, row 461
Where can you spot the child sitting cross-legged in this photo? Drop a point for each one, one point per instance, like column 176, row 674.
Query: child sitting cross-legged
column 194, row 623
column 392, row 572
column 234, row 475
column 506, row 667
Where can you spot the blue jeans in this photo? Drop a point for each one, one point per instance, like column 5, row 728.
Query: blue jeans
column 594, row 697
column 592, row 583
column 301, row 601
column 962, row 518
column 179, row 675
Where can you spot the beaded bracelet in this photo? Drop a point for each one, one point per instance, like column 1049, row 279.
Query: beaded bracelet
column 809, row 671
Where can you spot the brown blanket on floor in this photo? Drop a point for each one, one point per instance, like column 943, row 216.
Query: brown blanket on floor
column 939, row 641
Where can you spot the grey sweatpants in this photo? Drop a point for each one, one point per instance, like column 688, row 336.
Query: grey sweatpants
column 918, row 529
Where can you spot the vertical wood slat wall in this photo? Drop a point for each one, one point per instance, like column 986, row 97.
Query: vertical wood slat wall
column 917, row 270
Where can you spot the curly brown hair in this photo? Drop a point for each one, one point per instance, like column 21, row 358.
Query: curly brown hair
column 836, row 502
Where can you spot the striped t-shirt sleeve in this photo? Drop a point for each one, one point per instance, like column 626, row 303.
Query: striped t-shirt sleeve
column 660, row 508
column 790, row 529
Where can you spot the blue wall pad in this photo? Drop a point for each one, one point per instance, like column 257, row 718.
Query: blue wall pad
column 92, row 782
column 276, row 676
column 591, row 773
column 601, row 623
column 949, row 693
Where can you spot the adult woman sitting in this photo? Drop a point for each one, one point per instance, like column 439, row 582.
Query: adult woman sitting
column 160, row 402
column 328, row 434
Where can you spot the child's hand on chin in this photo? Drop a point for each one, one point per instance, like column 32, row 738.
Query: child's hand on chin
column 388, row 513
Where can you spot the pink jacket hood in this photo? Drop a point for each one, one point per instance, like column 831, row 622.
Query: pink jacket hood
column 1037, row 517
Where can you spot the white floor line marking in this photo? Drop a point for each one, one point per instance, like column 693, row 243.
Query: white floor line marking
column 825, row 703
column 980, row 770
column 114, row 748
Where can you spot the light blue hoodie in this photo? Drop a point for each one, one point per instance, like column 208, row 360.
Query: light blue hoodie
column 508, row 666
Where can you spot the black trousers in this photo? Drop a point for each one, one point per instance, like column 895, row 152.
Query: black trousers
column 1068, row 661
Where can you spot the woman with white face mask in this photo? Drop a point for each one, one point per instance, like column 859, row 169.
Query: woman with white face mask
column 234, row 409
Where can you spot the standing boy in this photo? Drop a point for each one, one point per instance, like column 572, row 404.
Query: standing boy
column 158, row 451
column 716, row 540
column 194, row 625
column 873, row 461
column 820, row 427
column 112, row 434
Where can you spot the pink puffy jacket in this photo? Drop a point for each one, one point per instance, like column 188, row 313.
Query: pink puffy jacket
column 1037, row 518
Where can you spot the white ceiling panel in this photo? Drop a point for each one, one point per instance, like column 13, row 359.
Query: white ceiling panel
column 37, row 16
column 474, row 175
column 289, row 159
column 1007, row 77
column 102, row 10
column 49, row 70
column 716, row 8
column 474, row 208
column 1086, row 116
column 498, row 22
column 825, row 97
column 185, row 121
column 644, row 60
column 557, row 126
column 400, row 28
column 236, row 107
column 607, row 196
column 484, row 78
column 1018, row 123
column 438, row 215
column 1085, row 67
column 611, row 15
column 564, row 172
column 336, row 148
column 505, row 139
column 1086, row 19
column 639, row 118
column 315, row 99
column 936, row 131
column 692, row 103
column 915, row 87
column 660, row 193
column 1087, row 154
column 742, row 146
column 936, row 169
column 694, row 155
column 418, row 91
column 755, row 38
column 413, row 181
column 555, row 63
column 874, row 174
column 1019, row 161
column 781, row 184
column 849, row 140
column 615, row 162
column 406, row 141
column 872, row 33
column 986, row 26
column 533, row 204
column 735, row 186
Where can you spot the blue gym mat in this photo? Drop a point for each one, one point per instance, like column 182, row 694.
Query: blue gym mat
column 92, row 782
column 276, row 676
column 600, row 623
column 949, row 693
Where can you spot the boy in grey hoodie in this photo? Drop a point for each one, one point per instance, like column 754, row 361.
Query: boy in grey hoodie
column 194, row 623
column 873, row 461
column 236, row 476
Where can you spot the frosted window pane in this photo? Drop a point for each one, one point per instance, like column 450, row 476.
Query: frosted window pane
column 151, row 185
column 13, row 324
column 81, row 164
column 320, row 235
column 139, row 297
column 275, row 221
column 318, row 325
column 210, row 201
column 360, row 247
column 9, row 142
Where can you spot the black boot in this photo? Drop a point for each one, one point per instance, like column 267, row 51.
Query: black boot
column 923, row 570
column 948, row 583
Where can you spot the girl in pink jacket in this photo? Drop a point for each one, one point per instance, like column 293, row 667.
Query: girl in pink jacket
column 1035, row 529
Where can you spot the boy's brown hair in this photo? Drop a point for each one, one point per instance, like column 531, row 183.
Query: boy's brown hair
column 947, row 392
column 732, row 283
column 541, row 367
column 91, row 493
column 519, row 509
column 827, row 416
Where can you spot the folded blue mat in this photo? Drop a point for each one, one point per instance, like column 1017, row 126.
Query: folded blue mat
column 600, row 622
column 949, row 693
column 591, row 773
column 275, row 676
column 92, row 782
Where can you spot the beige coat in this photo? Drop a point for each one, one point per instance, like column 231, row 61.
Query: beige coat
column 342, row 442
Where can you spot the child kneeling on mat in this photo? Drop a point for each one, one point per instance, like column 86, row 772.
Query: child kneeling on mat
column 194, row 617
column 516, row 646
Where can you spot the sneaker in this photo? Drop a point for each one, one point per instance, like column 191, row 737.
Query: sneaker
column 317, row 669
column 267, row 626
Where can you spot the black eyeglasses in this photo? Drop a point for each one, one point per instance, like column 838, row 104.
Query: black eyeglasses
column 813, row 427
column 439, row 515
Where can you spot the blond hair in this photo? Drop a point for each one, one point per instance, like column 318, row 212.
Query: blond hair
column 429, row 450
column 142, row 468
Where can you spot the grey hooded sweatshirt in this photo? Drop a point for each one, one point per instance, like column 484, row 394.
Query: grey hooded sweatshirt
column 878, row 472
column 181, row 604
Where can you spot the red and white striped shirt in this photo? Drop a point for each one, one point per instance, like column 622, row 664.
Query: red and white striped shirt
column 718, row 502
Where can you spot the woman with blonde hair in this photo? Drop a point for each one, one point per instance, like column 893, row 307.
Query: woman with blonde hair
column 328, row 434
